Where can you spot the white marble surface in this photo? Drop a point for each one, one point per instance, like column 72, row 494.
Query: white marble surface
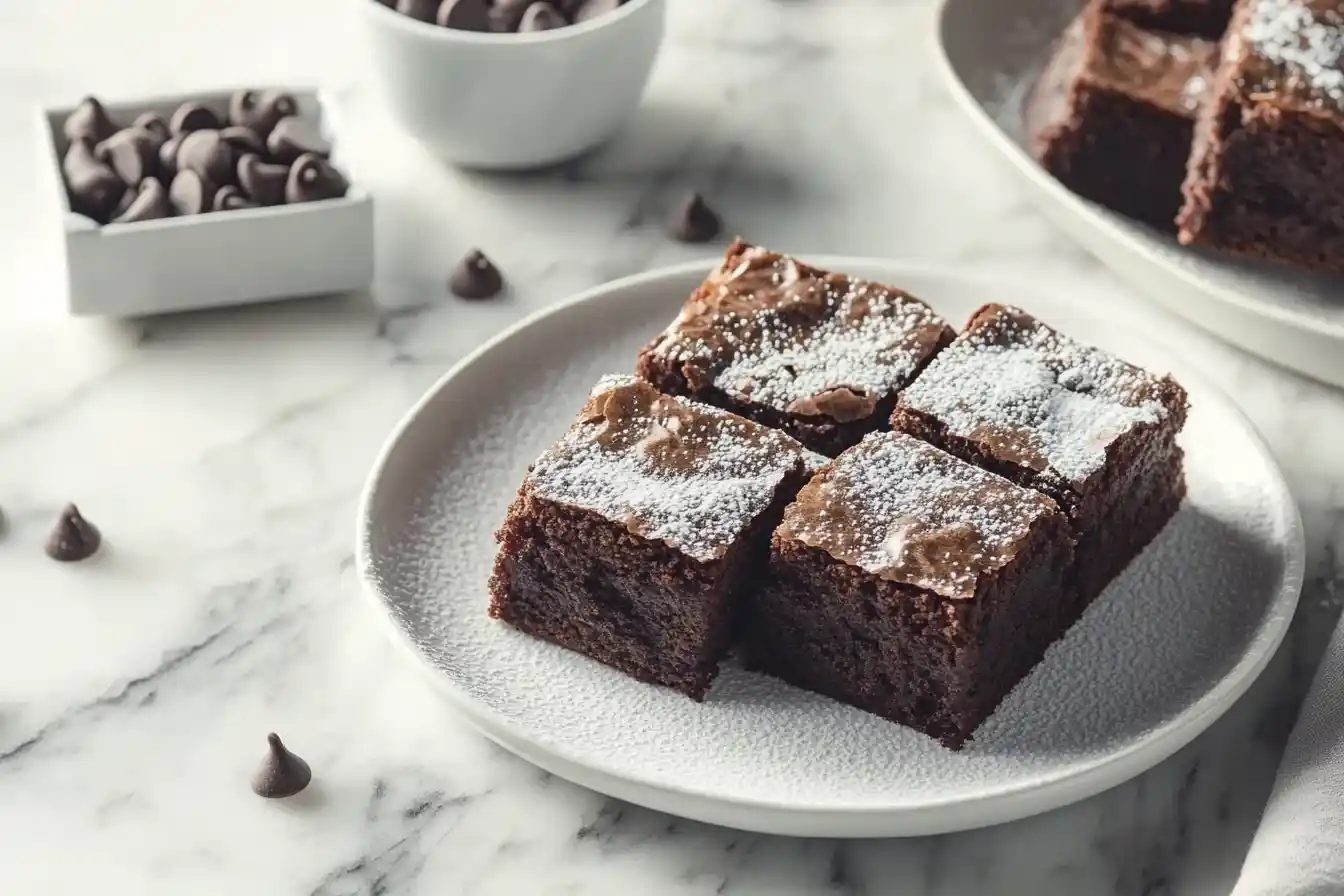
column 222, row 453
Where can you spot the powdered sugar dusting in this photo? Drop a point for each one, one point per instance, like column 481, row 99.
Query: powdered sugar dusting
column 901, row 509
column 674, row 470
column 1034, row 396
column 1306, row 38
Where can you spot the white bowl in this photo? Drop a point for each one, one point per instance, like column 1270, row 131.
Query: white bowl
column 512, row 101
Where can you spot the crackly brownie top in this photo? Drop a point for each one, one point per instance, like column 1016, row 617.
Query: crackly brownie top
column 769, row 329
column 1289, row 53
column 670, row 469
column 907, row 512
column 1034, row 397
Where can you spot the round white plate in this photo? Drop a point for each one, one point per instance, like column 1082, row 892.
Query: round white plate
column 1159, row 656
column 991, row 54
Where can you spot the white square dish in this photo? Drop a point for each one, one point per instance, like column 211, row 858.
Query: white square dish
column 201, row 261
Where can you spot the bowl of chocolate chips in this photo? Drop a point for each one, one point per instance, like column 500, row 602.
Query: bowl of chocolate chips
column 511, row 84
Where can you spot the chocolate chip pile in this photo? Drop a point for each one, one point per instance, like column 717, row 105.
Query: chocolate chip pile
column 503, row 16
column 262, row 153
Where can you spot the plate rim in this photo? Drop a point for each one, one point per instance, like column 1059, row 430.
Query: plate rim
column 767, row 816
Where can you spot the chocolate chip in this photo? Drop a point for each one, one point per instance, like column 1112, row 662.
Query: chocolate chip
column 695, row 222
column 263, row 182
column 281, row 774
column 149, row 203
column 191, row 194
column 464, row 15
column 292, row 137
column 243, row 140
column 89, row 121
column 74, row 537
column 131, row 152
column 193, row 117
column 229, row 197
column 260, row 111
column 507, row 15
column 153, row 123
column 475, row 277
column 591, row 9
column 206, row 153
column 312, row 178
column 541, row 16
column 424, row 10
column 124, row 203
column 168, row 155
column 93, row 186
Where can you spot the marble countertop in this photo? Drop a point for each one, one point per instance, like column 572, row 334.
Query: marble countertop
column 222, row 454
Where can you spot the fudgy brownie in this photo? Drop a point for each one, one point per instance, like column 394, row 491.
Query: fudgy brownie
column 1266, row 175
column 632, row 539
column 1204, row 18
column 1112, row 116
column 1071, row 421
column 913, row 585
column 819, row 355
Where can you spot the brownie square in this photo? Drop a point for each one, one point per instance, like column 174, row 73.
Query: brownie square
column 1112, row 116
column 1266, row 175
column 913, row 585
column 817, row 354
column 633, row 538
column 1204, row 18
column 1071, row 421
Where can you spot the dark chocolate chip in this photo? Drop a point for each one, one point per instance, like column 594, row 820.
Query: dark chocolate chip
column 206, row 153
column 243, row 140
column 149, row 203
column 168, row 155
column 541, row 16
column 154, row 123
column 591, row 9
column 229, row 197
column 507, row 15
column 312, row 178
column 281, row 774
column 193, row 117
column 263, row 182
column 292, row 137
column 260, row 110
column 131, row 152
column 191, row 194
column 94, row 187
column 74, row 537
column 475, row 277
column 464, row 15
column 89, row 121
column 424, row 10
column 695, row 222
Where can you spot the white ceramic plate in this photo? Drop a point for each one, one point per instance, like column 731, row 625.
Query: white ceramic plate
column 1165, row 651
column 991, row 53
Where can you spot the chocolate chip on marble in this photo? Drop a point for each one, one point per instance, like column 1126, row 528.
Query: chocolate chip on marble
column 263, row 182
column 229, row 197
column 261, row 110
column 282, row 773
column 292, row 137
column 475, row 277
column 591, row 9
column 695, row 221
column 74, row 538
column 191, row 194
column 94, row 187
column 424, row 10
column 243, row 140
column 131, row 152
column 464, row 15
column 208, row 154
column 541, row 16
column 193, row 117
column 149, row 202
column 89, row 121
column 154, row 123
column 313, row 178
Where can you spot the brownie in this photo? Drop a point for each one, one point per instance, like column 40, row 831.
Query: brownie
column 913, row 585
column 1203, row 18
column 1094, row 433
column 634, row 537
column 817, row 354
column 1112, row 116
column 1266, row 175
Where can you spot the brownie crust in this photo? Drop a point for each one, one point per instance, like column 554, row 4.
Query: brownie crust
column 1204, row 18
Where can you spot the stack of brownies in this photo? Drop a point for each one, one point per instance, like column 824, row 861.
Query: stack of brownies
column 818, row 470
column 1232, row 143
